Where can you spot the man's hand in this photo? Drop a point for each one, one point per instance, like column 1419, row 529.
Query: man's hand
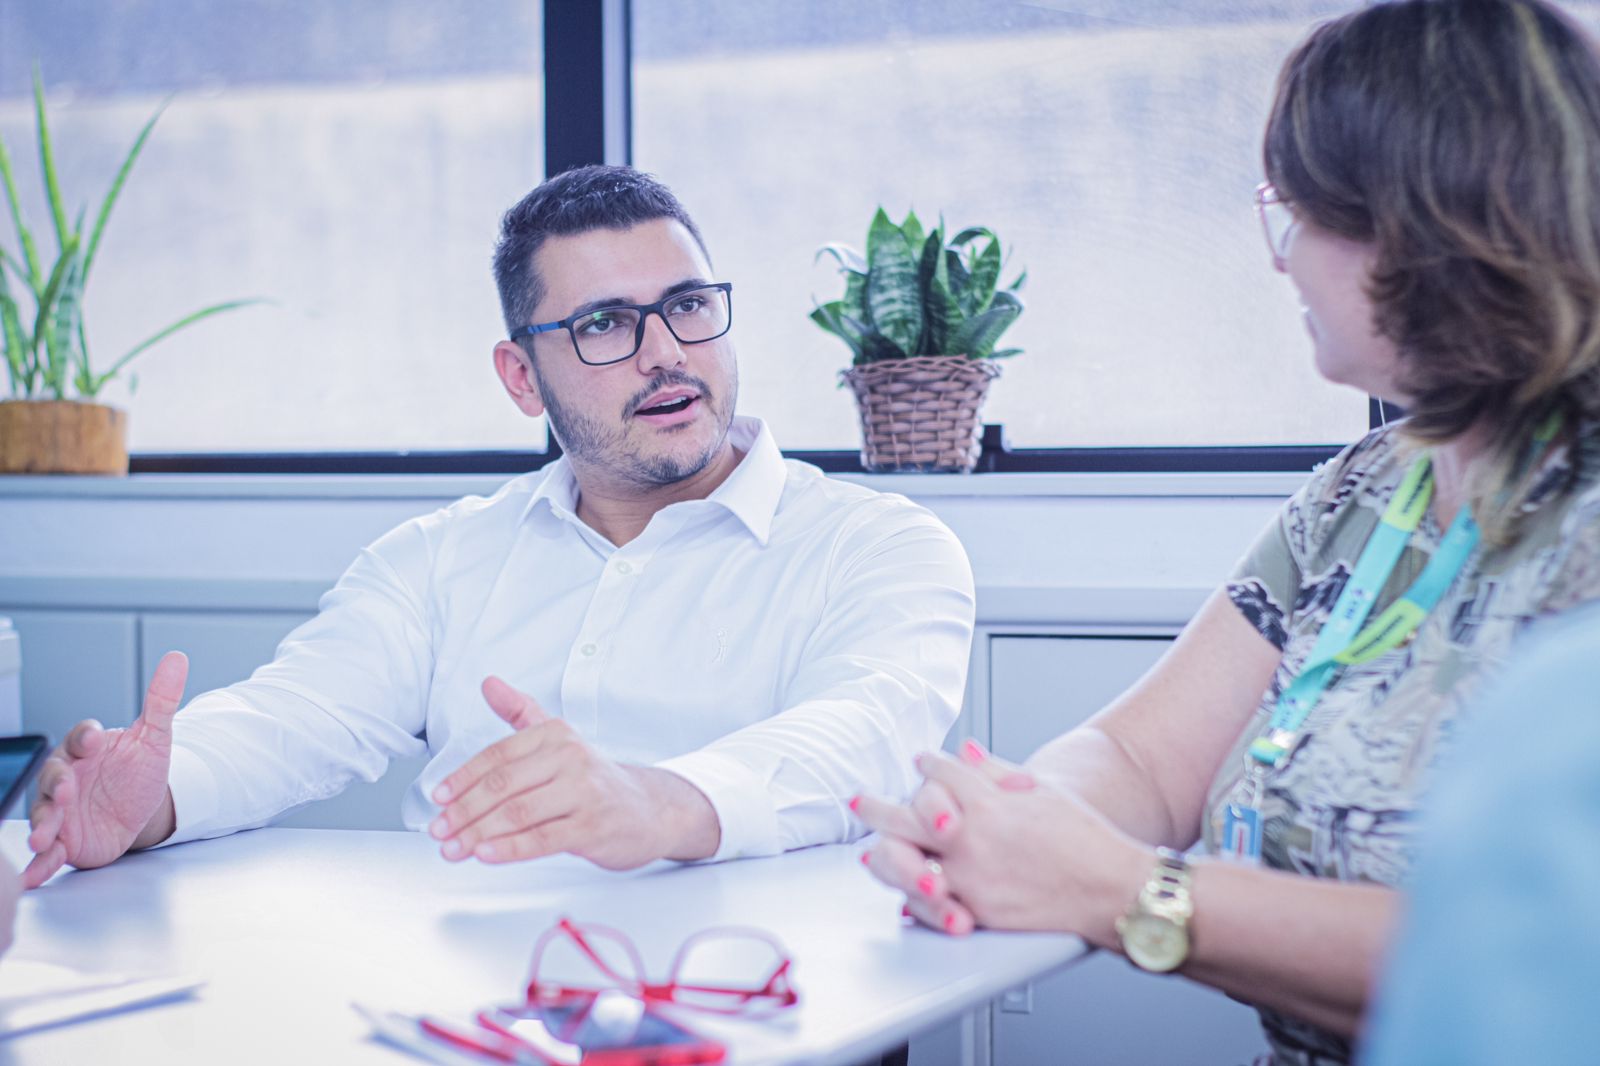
column 104, row 791
column 542, row 790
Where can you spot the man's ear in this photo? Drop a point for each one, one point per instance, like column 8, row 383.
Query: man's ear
column 515, row 368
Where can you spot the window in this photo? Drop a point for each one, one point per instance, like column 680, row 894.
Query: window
column 347, row 161
column 350, row 161
column 1113, row 144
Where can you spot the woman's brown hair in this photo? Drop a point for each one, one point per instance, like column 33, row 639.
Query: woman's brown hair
column 1461, row 138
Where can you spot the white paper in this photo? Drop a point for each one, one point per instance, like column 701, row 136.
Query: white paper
column 34, row 995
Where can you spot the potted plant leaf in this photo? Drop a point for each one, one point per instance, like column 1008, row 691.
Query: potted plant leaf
column 922, row 316
column 52, row 423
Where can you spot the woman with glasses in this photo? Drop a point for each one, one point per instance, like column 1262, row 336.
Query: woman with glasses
column 1433, row 196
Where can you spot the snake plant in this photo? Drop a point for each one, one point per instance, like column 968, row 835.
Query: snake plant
column 46, row 347
column 917, row 293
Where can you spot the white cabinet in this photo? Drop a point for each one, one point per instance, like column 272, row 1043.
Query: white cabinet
column 1040, row 686
column 76, row 665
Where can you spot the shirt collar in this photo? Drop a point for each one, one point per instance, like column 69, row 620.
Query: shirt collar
column 751, row 493
column 557, row 491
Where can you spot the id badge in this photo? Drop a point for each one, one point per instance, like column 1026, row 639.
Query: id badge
column 1241, row 834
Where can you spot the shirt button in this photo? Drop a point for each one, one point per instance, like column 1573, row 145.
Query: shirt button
column 624, row 567
column 588, row 649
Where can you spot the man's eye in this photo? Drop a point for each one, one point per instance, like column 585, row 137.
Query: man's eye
column 598, row 324
column 688, row 305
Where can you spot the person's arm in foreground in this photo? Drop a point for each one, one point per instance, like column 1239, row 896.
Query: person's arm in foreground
column 1068, row 843
column 1494, row 958
column 882, row 679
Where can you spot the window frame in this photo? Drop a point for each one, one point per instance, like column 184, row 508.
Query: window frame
column 587, row 51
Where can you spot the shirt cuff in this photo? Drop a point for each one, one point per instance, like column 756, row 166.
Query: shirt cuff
column 740, row 798
column 194, row 795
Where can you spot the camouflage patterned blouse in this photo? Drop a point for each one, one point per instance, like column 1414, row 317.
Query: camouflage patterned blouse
column 1341, row 803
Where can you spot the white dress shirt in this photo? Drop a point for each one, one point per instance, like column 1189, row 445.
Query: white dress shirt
column 784, row 644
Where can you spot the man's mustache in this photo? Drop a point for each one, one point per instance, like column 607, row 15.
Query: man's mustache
column 666, row 380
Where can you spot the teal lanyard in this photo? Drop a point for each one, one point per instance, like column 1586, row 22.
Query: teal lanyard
column 1343, row 641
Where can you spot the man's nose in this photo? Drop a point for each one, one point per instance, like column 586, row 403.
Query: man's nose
column 658, row 348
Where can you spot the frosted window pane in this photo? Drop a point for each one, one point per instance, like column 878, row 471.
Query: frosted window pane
column 1115, row 145
column 348, row 161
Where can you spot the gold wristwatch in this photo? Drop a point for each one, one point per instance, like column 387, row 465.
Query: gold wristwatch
column 1155, row 931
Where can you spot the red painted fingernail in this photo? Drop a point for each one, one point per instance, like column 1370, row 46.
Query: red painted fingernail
column 925, row 884
column 950, row 922
column 855, row 804
column 973, row 752
column 866, row 858
column 941, row 820
column 905, row 911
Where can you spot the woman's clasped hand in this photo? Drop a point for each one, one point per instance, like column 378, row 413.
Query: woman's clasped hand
column 985, row 842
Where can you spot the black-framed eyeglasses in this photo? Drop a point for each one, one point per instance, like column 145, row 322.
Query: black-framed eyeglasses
column 611, row 334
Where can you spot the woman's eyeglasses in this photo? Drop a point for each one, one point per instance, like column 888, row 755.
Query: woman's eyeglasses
column 1277, row 222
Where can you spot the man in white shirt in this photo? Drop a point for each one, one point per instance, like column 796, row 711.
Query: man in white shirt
column 671, row 643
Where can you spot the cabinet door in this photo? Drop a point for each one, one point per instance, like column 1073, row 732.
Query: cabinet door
column 224, row 648
column 1099, row 1010
column 76, row 665
column 1040, row 687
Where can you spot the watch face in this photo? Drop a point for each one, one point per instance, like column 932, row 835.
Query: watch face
column 1155, row 943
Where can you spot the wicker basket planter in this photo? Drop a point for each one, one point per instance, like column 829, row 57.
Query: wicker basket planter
column 921, row 414
column 62, row 437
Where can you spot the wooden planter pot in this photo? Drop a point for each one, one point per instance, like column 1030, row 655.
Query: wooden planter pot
column 62, row 437
column 921, row 414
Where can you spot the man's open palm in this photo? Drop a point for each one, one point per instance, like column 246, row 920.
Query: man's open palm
column 101, row 787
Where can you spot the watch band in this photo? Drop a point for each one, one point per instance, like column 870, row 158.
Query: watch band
column 1155, row 931
column 1170, row 878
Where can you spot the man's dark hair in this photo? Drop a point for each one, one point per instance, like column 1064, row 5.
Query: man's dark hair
column 572, row 202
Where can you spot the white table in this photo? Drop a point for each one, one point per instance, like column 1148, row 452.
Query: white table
column 289, row 926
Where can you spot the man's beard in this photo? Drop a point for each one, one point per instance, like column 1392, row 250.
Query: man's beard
column 599, row 446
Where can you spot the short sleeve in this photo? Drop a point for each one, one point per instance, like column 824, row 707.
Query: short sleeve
column 1266, row 581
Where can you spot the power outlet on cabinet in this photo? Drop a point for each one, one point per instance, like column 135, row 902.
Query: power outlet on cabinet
column 1017, row 1000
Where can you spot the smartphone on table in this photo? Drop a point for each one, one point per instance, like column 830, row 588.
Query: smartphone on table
column 611, row 1029
column 20, row 759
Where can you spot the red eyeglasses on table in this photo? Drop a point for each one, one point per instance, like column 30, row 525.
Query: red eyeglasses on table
column 589, row 1000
